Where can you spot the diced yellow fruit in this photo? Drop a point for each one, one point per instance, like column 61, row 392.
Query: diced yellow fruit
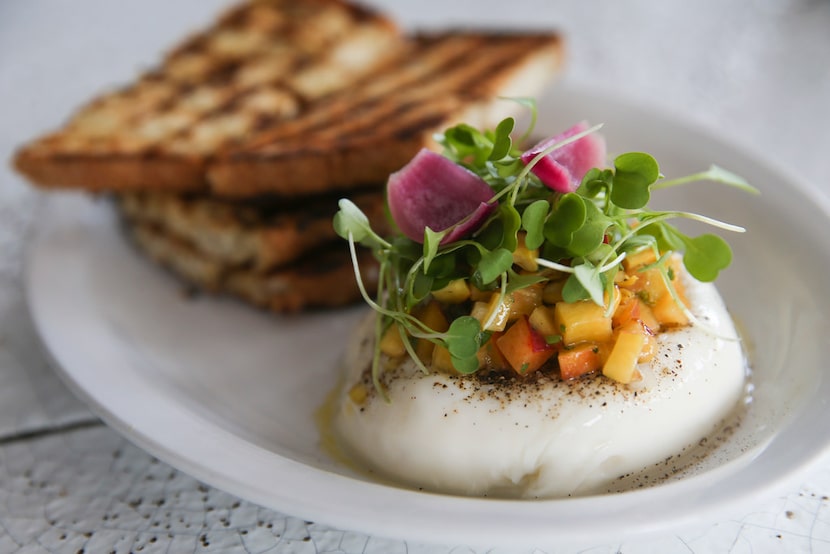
column 669, row 313
column 391, row 342
column 358, row 393
column 479, row 310
column 456, row 292
column 542, row 319
column 431, row 316
column 582, row 321
column 638, row 259
column 441, row 360
column 478, row 295
column 523, row 301
column 524, row 257
column 632, row 308
column 552, row 293
column 622, row 362
column 647, row 317
column 653, row 288
column 498, row 311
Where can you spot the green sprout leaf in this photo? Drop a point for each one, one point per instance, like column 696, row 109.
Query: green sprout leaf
column 715, row 174
column 516, row 281
column 591, row 235
column 502, row 142
column 567, row 218
column 634, row 173
column 350, row 220
column 533, row 222
column 595, row 181
column 421, row 286
column 493, row 264
column 720, row 175
column 512, row 223
column 463, row 339
column 431, row 242
column 591, row 280
column 706, row 256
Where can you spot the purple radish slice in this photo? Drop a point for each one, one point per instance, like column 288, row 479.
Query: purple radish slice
column 563, row 169
column 432, row 191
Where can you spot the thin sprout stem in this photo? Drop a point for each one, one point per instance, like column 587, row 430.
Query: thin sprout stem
column 678, row 181
column 671, row 215
column 376, row 360
column 708, row 220
column 568, row 269
column 358, row 277
column 394, row 314
column 411, row 351
column 553, row 265
column 502, row 294
column 613, row 263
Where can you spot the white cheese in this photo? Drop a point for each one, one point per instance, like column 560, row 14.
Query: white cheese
column 546, row 437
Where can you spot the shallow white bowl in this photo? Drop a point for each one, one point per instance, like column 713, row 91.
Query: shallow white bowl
column 227, row 394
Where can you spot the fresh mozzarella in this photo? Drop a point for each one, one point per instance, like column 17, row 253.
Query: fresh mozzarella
column 544, row 437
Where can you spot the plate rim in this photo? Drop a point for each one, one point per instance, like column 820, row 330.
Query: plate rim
column 525, row 529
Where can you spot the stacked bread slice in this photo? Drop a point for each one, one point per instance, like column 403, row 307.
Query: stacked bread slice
column 227, row 161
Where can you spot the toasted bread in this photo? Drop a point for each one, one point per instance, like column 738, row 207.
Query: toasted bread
column 324, row 278
column 303, row 132
column 361, row 137
column 263, row 63
column 258, row 235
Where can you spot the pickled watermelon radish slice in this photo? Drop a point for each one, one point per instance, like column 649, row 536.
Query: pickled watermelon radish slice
column 563, row 169
column 432, row 191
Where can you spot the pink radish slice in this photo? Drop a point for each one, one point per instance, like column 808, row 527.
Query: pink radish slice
column 563, row 169
column 432, row 191
column 471, row 224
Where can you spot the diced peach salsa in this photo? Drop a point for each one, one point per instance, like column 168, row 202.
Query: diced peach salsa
column 534, row 328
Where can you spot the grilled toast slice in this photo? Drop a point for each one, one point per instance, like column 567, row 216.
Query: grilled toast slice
column 262, row 63
column 258, row 235
column 251, row 127
column 380, row 124
column 323, row 279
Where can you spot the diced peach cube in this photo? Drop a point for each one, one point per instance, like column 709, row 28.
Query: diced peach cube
column 621, row 364
column 431, row 316
column 542, row 319
column 523, row 348
column 523, row 301
column 582, row 321
column 579, row 360
column 456, row 292
column 633, row 260
column 391, row 342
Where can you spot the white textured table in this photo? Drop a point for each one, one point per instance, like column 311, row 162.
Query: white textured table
column 758, row 72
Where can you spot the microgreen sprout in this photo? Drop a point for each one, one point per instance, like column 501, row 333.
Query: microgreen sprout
column 585, row 233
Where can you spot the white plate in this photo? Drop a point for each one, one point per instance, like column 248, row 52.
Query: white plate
column 228, row 394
